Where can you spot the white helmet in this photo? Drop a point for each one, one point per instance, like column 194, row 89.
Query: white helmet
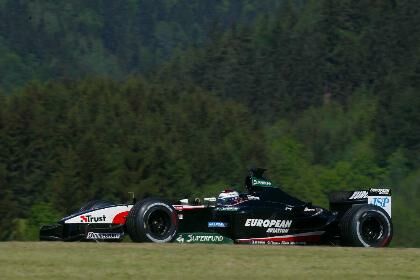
column 228, row 197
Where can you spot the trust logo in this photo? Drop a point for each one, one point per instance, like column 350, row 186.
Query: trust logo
column 92, row 219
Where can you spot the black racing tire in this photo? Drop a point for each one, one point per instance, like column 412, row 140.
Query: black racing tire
column 366, row 226
column 152, row 220
column 95, row 204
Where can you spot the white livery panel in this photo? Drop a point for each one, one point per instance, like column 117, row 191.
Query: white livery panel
column 110, row 215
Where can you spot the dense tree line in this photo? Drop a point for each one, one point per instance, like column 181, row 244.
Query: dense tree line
column 325, row 94
column 47, row 40
column 306, row 55
column 62, row 144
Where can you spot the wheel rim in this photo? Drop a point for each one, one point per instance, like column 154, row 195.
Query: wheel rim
column 159, row 223
column 372, row 229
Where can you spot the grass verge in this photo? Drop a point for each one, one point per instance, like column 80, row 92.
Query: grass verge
column 58, row 260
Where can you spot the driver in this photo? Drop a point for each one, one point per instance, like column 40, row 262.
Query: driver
column 228, row 198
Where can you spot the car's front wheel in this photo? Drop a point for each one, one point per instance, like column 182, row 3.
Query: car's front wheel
column 152, row 220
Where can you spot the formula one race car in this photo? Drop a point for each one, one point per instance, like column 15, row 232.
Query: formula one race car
column 263, row 215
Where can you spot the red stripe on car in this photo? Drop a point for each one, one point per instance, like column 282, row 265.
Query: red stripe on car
column 302, row 237
column 120, row 218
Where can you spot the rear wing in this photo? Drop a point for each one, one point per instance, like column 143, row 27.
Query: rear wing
column 343, row 200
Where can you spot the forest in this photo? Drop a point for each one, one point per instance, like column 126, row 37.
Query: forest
column 177, row 98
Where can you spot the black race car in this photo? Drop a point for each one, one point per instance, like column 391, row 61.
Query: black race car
column 263, row 215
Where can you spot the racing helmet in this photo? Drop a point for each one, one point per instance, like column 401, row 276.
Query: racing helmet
column 228, row 197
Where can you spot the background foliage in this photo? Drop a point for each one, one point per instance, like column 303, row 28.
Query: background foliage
column 177, row 98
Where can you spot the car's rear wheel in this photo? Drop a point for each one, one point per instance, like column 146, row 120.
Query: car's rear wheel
column 152, row 220
column 366, row 226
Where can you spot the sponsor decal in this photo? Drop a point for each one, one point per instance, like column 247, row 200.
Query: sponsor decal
column 381, row 201
column 227, row 209
column 309, row 209
column 277, row 230
column 202, row 238
column 109, row 215
column 268, row 223
column 217, row 225
column 359, row 195
column 92, row 219
column 188, row 207
column 104, row 235
column 273, row 226
column 293, row 239
column 260, row 182
column 268, row 242
column 180, row 239
column 380, row 191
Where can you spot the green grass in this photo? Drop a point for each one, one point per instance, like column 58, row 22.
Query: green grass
column 58, row 260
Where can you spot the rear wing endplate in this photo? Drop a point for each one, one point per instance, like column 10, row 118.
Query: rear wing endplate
column 381, row 198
